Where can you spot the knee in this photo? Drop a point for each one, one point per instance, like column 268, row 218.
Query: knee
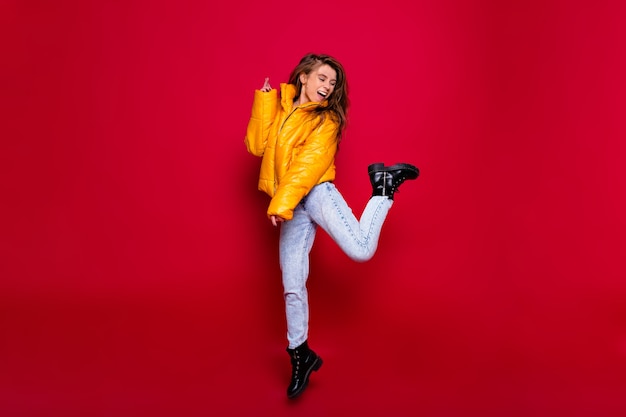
column 362, row 256
column 294, row 292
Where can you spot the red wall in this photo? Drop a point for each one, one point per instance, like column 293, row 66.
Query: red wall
column 139, row 273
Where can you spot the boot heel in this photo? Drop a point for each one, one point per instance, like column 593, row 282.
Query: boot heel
column 375, row 167
column 318, row 364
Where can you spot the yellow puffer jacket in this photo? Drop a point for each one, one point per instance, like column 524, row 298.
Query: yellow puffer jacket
column 298, row 151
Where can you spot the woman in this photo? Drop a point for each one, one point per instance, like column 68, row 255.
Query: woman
column 297, row 134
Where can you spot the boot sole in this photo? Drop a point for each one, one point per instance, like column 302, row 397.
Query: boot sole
column 413, row 171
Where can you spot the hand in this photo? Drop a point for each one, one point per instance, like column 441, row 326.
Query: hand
column 276, row 219
column 266, row 86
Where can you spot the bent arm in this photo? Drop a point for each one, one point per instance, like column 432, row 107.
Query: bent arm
column 264, row 107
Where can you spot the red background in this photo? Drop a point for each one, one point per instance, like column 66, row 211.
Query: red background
column 139, row 274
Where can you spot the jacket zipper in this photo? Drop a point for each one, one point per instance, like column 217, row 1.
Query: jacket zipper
column 286, row 118
column 289, row 115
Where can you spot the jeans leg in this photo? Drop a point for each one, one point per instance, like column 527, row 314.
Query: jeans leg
column 357, row 238
column 296, row 240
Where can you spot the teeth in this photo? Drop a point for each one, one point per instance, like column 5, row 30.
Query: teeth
column 321, row 93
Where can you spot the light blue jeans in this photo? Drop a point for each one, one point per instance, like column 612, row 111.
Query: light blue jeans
column 326, row 207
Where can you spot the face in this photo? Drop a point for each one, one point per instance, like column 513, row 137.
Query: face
column 318, row 85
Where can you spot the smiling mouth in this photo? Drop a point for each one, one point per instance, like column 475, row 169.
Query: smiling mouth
column 323, row 93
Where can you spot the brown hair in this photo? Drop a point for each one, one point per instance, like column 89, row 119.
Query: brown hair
column 338, row 101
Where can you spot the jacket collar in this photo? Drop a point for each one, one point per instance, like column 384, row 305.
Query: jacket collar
column 287, row 93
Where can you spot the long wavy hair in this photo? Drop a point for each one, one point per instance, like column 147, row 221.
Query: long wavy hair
column 337, row 102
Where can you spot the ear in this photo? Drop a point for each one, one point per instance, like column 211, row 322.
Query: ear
column 303, row 78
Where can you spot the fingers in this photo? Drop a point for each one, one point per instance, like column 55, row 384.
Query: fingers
column 276, row 219
column 266, row 86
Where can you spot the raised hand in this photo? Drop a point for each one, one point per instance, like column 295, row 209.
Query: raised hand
column 266, row 86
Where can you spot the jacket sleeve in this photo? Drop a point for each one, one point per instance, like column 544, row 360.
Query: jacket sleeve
column 262, row 116
column 312, row 161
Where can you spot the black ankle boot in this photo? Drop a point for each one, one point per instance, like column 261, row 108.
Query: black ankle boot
column 386, row 180
column 303, row 362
